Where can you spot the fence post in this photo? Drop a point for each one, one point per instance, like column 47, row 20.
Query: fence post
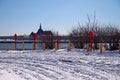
column 57, row 44
column 87, row 46
column 100, row 47
column 4, row 46
column 119, row 47
column 44, row 46
column 33, row 47
column 13, row 46
column 69, row 46
column 23, row 45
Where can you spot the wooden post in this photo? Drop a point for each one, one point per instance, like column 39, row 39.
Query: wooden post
column 56, row 46
column 87, row 46
column 44, row 46
column 4, row 46
column 13, row 46
column 34, row 44
column 33, row 48
column 90, row 45
column 23, row 45
column 69, row 46
column 100, row 47
column 119, row 47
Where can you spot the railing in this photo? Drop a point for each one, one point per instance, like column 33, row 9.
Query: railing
column 8, row 42
column 29, row 45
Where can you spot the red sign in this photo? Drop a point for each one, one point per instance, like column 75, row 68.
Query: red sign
column 34, row 35
column 90, row 34
column 15, row 36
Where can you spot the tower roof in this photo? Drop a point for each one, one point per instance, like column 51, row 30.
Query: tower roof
column 40, row 31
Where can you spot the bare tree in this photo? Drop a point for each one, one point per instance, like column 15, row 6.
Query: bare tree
column 107, row 33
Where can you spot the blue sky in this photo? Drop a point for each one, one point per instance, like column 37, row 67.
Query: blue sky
column 25, row 16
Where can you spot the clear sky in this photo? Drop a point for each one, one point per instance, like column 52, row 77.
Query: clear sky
column 25, row 16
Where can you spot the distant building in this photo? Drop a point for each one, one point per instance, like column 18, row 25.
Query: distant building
column 40, row 32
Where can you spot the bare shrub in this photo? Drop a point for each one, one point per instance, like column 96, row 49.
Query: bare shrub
column 106, row 33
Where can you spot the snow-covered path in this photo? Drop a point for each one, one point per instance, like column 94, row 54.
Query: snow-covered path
column 59, row 65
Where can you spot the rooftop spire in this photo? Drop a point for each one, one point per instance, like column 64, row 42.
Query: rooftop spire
column 40, row 31
column 40, row 26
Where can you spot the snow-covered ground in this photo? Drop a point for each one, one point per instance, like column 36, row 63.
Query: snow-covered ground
column 59, row 65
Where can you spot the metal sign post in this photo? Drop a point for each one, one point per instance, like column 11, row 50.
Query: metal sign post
column 34, row 36
column 90, row 35
column 15, row 38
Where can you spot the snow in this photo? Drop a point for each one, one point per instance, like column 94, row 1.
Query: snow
column 4, row 75
column 59, row 65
